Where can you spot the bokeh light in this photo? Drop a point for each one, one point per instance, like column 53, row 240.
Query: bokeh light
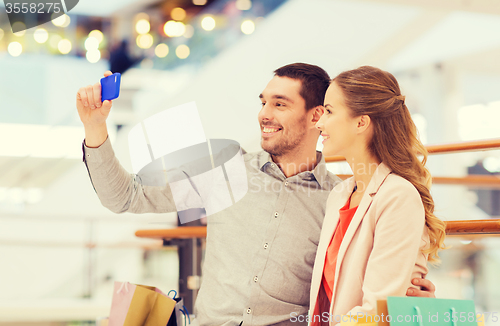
column 91, row 43
column 61, row 21
column 208, row 23
column 93, row 56
column 64, row 46
column 142, row 26
column 178, row 14
column 174, row 29
column 97, row 34
column 15, row 49
column 199, row 2
column 182, row 51
column 247, row 27
column 41, row 35
column 1, row 33
column 161, row 50
column 144, row 41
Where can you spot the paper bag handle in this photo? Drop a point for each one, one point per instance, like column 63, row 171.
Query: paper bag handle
column 419, row 313
column 453, row 321
column 121, row 288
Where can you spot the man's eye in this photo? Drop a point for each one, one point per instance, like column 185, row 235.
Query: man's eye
column 280, row 104
column 262, row 104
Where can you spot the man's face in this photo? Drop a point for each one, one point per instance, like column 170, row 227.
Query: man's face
column 283, row 118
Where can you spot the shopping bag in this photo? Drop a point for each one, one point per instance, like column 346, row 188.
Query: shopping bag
column 139, row 305
column 426, row 311
column 414, row 311
column 431, row 311
column 180, row 317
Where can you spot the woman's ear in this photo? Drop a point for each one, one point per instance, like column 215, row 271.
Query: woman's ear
column 317, row 112
column 364, row 123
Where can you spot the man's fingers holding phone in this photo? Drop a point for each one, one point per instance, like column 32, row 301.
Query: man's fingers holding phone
column 82, row 97
column 90, row 96
column 97, row 94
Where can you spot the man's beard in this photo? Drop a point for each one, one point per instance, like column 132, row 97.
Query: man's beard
column 287, row 144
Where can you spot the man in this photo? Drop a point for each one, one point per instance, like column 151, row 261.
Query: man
column 260, row 251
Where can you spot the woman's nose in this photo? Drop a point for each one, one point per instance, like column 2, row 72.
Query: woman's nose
column 319, row 124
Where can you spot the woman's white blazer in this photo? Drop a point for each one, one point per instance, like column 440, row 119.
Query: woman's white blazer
column 381, row 250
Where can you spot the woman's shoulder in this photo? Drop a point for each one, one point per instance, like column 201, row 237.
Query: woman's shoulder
column 397, row 191
column 395, row 183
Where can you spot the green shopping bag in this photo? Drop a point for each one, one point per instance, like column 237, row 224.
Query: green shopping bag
column 414, row 311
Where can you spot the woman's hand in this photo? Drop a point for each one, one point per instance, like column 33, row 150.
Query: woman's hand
column 428, row 288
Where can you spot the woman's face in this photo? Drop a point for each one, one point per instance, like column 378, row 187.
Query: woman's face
column 338, row 127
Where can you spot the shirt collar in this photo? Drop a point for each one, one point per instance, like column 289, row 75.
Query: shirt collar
column 319, row 172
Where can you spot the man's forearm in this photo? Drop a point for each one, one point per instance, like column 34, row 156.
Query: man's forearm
column 95, row 136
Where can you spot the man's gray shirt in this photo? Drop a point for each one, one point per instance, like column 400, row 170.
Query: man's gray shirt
column 259, row 252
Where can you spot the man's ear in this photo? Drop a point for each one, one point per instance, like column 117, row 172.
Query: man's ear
column 364, row 123
column 317, row 112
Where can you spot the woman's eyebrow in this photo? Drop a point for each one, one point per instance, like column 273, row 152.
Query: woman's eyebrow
column 328, row 105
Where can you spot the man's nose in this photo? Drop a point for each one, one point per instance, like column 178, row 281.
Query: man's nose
column 265, row 113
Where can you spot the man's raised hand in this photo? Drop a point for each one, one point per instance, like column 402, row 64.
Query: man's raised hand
column 93, row 113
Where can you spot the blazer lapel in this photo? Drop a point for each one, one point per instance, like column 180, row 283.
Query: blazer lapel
column 342, row 192
column 376, row 181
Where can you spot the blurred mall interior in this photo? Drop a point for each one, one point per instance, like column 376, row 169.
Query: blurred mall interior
column 61, row 251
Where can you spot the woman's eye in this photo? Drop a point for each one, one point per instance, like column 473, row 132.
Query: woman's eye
column 328, row 111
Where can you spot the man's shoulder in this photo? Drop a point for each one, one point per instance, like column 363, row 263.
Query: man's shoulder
column 333, row 177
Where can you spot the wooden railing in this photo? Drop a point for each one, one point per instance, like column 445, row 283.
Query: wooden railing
column 446, row 148
column 480, row 181
column 183, row 232
column 473, row 227
column 453, row 228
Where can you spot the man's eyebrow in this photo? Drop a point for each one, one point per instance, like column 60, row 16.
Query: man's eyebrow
column 279, row 97
column 283, row 97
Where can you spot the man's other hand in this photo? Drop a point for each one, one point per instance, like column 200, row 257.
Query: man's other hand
column 428, row 288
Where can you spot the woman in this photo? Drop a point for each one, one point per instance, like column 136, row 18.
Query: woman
column 380, row 229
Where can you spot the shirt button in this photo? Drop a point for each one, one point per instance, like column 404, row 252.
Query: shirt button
column 255, row 279
column 276, row 214
column 249, row 311
column 266, row 245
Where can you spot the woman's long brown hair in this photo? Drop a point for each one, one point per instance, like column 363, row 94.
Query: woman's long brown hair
column 374, row 92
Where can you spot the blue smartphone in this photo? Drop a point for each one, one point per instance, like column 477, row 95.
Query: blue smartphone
column 110, row 87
